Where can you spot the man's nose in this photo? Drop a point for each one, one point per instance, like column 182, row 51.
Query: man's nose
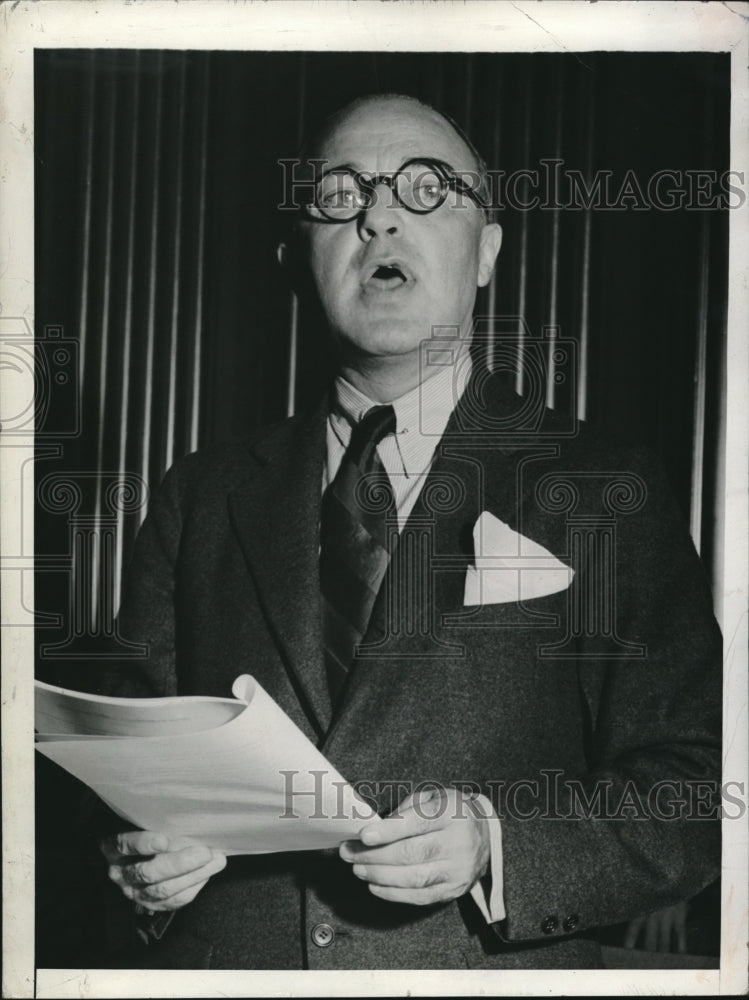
column 384, row 215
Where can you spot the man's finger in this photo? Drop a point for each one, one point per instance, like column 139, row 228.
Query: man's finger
column 414, row 816
column 409, row 851
column 679, row 927
column 429, row 803
column 403, row 876
column 162, row 867
column 651, row 931
column 140, row 842
column 665, row 929
column 681, row 937
column 415, row 897
column 175, row 902
column 133, row 843
column 179, row 900
column 152, row 896
column 633, row 931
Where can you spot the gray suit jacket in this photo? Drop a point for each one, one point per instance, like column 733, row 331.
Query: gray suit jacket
column 607, row 688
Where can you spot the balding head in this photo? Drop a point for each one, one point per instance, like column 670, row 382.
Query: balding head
column 397, row 111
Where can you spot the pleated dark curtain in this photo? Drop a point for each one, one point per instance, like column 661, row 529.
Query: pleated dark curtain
column 157, row 178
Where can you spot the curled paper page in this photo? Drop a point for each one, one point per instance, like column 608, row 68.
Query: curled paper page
column 237, row 775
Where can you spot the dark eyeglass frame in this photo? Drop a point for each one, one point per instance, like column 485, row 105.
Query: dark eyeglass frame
column 366, row 183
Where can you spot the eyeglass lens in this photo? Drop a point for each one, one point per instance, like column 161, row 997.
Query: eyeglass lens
column 417, row 186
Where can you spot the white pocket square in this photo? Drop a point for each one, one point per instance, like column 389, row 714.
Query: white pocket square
column 510, row 567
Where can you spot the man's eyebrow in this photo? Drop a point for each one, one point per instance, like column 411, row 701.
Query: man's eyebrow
column 351, row 168
column 442, row 163
column 340, row 168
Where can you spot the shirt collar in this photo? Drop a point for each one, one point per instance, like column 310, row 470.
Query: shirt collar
column 421, row 414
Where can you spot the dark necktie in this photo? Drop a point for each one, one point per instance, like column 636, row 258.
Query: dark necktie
column 354, row 543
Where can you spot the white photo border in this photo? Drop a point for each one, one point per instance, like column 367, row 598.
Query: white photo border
column 351, row 25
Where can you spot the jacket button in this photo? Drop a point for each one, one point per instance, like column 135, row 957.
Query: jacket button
column 571, row 922
column 323, row 935
column 549, row 924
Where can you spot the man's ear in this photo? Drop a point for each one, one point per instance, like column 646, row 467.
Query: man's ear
column 287, row 254
column 489, row 243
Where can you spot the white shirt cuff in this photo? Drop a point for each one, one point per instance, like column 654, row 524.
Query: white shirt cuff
column 491, row 901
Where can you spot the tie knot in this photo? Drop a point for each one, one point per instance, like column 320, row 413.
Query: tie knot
column 371, row 429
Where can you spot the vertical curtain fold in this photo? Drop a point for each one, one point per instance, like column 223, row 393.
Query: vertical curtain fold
column 291, row 386
column 109, row 111
column 587, row 115
column 132, row 124
column 141, row 234
column 199, row 251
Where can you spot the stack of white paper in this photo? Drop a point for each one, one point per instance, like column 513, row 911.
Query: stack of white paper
column 237, row 775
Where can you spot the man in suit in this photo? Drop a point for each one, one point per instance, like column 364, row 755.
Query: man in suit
column 486, row 616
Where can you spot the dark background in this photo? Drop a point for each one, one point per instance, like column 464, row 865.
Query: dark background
column 156, row 185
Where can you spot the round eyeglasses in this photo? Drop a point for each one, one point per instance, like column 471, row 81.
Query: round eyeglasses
column 420, row 185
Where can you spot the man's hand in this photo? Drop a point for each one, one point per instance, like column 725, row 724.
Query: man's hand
column 159, row 872
column 431, row 849
column 665, row 930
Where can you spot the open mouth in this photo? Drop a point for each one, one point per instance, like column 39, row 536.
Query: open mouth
column 387, row 277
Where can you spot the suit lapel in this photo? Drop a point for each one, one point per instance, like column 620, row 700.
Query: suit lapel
column 478, row 466
column 276, row 517
column 483, row 463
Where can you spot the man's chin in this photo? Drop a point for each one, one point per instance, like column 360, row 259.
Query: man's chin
column 385, row 340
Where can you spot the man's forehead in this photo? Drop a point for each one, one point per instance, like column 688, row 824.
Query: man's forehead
column 381, row 135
